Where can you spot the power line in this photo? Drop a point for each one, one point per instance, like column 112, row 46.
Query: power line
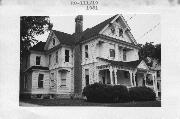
column 150, row 30
column 131, row 17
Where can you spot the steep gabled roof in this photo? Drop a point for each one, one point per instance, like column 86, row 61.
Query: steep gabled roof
column 90, row 32
column 64, row 38
column 38, row 47
column 69, row 39
column 132, row 64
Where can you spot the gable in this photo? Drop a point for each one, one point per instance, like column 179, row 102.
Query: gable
column 142, row 65
column 49, row 42
column 119, row 29
column 53, row 42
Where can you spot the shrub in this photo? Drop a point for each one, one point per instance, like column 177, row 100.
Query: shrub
column 142, row 94
column 106, row 93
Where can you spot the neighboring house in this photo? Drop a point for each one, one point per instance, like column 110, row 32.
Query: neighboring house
column 65, row 63
column 156, row 66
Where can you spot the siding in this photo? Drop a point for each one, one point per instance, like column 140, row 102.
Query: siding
column 35, row 89
column 61, row 58
column 43, row 61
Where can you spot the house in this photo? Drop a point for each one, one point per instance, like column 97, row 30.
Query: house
column 66, row 63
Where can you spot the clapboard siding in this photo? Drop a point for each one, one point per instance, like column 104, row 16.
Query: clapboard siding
column 35, row 88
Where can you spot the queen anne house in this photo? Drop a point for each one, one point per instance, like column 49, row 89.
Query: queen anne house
column 66, row 63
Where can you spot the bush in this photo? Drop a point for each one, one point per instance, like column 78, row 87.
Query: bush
column 142, row 94
column 106, row 93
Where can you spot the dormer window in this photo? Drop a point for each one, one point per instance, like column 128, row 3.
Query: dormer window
column 121, row 32
column 53, row 41
column 38, row 60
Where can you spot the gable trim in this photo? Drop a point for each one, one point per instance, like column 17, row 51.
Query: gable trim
column 108, row 24
column 147, row 68
column 48, row 40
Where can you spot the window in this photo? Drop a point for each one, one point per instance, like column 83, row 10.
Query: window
column 66, row 55
column 49, row 59
column 113, row 30
column 40, row 80
column 57, row 57
column 158, row 74
column 112, row 53
column 124, row 55
column 87, row 76
column 63, row 78
column 121, row 32
column 38, row 59
column 53, row 41
column 86, row 51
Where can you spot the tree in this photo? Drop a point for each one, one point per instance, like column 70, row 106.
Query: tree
column 30, row 26
column 150, row 50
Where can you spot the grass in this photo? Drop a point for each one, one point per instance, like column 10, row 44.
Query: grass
column 78, row 102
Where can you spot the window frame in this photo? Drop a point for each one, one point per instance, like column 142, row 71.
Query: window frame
column 39, row 60
column 56, row 56
column 86, row 51
column 120, row 29
column 110, row 53
column 41, row 81
column 50, row 59
column 87, row 77
column 67, row 56
column 54, row 42
column 124, row 55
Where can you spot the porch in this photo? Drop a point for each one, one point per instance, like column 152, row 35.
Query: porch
column 130, row 77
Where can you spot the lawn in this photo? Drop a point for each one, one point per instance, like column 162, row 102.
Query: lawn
column 78, row 102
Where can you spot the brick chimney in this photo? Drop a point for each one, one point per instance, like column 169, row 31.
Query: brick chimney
column 79, row 24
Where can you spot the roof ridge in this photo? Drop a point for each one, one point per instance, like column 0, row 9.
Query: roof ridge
column 62, row 32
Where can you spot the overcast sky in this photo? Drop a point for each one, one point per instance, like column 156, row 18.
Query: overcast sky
column 140, row 24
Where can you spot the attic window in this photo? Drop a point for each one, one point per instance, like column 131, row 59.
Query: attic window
column 53, row 41
column 121, row 32
column 113, row 30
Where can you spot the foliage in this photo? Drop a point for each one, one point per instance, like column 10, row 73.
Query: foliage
column 150, row 50
column 142, row 94
column 106, row 93
column 30, row 26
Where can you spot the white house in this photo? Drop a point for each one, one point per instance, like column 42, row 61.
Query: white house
column 66, row 63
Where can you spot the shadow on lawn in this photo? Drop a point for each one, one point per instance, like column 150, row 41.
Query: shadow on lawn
column 78, row 102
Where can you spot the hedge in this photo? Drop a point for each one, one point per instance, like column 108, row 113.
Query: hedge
column 142, row 94
column 106, row 93
column 118, row 93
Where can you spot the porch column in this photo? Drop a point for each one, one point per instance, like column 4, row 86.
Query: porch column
column 145, row 74
column 155, row 84
column 115, row 75
column 97, row 75
column 130, row 72
column 134, row 76
column 111, row 76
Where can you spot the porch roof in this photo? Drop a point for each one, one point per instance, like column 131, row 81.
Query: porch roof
column 132, row 64
column 37, row 67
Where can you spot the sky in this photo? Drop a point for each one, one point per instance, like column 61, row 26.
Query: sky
column 142, row 25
